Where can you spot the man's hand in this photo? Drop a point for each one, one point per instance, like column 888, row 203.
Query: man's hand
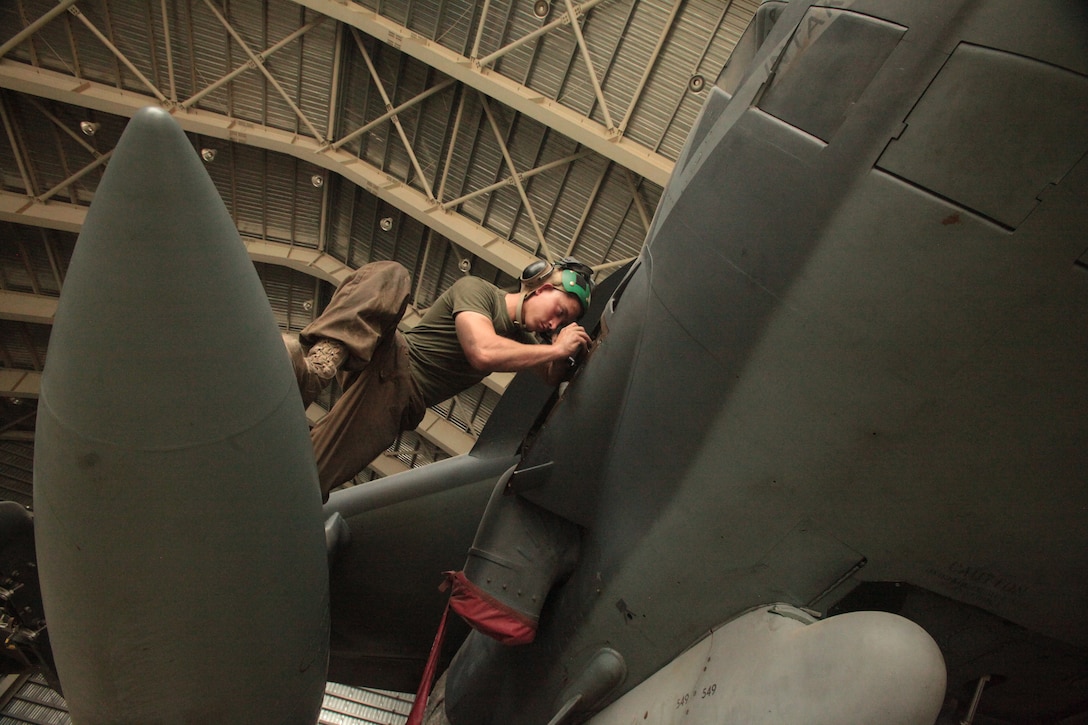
column 572, row 340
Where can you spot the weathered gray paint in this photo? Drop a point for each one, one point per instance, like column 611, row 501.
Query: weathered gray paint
column 869, row 378
column 177, row 518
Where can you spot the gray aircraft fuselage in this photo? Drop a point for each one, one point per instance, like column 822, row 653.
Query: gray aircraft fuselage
column 850, row 368
column 847, row 377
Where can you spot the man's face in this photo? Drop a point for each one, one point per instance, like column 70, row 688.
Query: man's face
column 548, row 309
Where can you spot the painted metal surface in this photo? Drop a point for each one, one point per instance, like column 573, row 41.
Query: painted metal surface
column 780, row 665
column 179, row 540
column 876, row 384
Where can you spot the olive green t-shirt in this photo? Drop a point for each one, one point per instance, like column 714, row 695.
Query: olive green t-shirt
column 439, row 366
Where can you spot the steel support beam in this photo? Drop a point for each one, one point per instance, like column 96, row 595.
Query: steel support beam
column 462, row 231
column 26, row 307
column 517, row 179
column 630, row 154
column 259, row 64
column 34, row 27
column 391, row 113
column 70, row 217
column 20, row 383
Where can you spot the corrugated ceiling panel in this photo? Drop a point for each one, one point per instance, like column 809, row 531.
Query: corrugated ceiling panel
column 34, row 702
column 544, row 188
column 667, row 86
column 414, row 450
column 647, row 23
column 457, row 26
column 181, row 44
column 11, row 179
column 698, row 28
column 157, row 41
column 494, row 30
column 409, row 236
column 427, row 276
column 285, row 66
column 126, row 25
column 39, row 133
column 525, row 141
column 52, row 46
column 488, row 401
column 47, row 251
column 364, row 223
column 504, row 217
column 23, row 344
column 516, row 64
column 470, row 409
column 395, row 11
column 16, row 472
column 249, row 169
column 576, row 91
column 457, row 181
column 24, row 259
column 425, row 17
column 341, row 209
column 578, row 189
column 345, row 705
column 281, row 189
column 308, row 201
column 629, row 237
column 485, row 166
column 251, row 96
column 604, row 34
column 403, row 79
column 355, row 90
column 212, row 57
column 318, row 53
column 605, row 216
column 554, row 54
column 386, row 62
column 435, row 116
column 221, row 170
column 289, row 291
column 383, row 242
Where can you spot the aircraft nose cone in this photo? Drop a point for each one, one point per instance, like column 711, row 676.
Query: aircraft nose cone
column 160, row 286
column 177, row 512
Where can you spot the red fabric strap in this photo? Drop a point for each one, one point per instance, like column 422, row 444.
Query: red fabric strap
column 415, row 717
column 488, row 615
column 485, row 614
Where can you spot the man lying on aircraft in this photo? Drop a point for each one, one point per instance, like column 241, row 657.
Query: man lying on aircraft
column 389, row 378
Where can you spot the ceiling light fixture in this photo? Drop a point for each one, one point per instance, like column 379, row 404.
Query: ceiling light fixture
column 541, row 8
column 208, row 155
column 386, row 223
column 89, row 127
column 317, row 180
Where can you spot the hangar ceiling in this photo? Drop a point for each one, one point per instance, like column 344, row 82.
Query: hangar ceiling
column 453, row 136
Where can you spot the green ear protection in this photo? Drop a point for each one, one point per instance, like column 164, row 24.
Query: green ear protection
column 578, row 284
column 567, row 274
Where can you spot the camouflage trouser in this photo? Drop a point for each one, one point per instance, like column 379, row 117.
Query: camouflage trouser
column 380, row 399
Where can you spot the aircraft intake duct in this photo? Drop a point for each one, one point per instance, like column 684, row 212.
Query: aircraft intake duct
column 177, row 514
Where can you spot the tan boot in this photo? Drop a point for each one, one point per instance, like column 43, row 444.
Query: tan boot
column 325, row 358
column 316, row 369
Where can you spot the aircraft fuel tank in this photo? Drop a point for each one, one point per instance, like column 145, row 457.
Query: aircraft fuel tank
column 177, row 515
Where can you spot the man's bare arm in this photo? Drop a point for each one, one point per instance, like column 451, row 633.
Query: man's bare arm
column 489, row 352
